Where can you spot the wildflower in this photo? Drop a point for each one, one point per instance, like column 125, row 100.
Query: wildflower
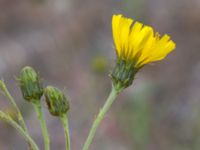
column 30, row 84
column 56, row 101
column 136, row 45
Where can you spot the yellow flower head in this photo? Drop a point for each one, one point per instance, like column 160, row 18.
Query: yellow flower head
column 136, row 45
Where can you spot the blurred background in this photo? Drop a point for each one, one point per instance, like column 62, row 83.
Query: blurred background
column 70, row 43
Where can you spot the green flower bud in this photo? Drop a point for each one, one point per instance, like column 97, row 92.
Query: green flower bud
column 123, row 74
column 56, row 101
column 30, row 84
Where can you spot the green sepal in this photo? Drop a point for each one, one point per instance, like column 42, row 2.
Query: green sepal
column 57, row 103
column 30, row 84
column 123, row 74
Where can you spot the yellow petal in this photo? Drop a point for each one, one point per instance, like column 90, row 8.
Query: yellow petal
column 133, row 39
column 137, row 43
column 160, row 49
column 124, row 36
column 116, row 32
column 144, row 40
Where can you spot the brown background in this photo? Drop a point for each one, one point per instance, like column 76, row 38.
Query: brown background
column 70, row 43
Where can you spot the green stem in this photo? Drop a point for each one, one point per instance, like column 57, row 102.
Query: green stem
column 41, row 119
column 12, row 101
column 113, row 94
column 25, row 135
column 64, row 120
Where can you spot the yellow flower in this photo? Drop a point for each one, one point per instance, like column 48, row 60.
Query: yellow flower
column 137, row 43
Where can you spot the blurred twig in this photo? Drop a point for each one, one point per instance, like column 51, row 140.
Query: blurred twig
column 14, row 124
column 12, row 101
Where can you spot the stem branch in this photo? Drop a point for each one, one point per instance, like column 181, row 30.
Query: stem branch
column 10, row 121
column 13, row 103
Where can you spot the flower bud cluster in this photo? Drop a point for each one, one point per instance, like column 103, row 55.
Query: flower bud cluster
column 32, row 91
